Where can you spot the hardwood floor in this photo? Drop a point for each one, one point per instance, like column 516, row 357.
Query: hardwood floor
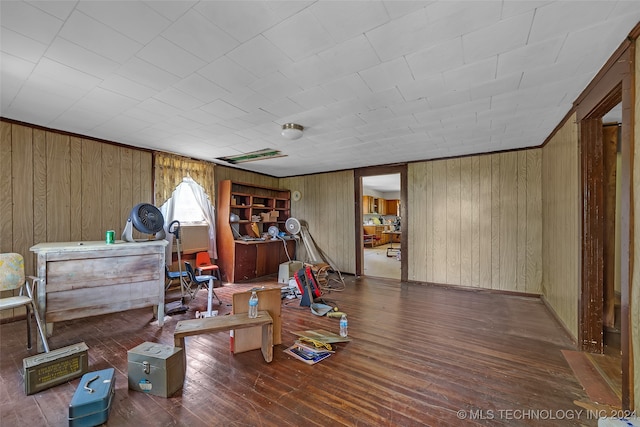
column 420, row 355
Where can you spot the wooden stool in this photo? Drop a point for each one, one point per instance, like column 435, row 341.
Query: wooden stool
column 186, row 328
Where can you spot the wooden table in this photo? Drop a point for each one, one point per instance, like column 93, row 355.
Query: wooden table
column 83, row 279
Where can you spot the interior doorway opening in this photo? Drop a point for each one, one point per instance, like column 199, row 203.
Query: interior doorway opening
column 381, row 224
column 380, row 221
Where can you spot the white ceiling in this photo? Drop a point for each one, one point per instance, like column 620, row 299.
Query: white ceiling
column 372, row 82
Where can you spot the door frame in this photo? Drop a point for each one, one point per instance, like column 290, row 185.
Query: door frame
column 612, row 85
column 357, row 183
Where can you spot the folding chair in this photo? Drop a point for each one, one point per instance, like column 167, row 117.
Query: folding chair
column 12, row 277
column 203, row 280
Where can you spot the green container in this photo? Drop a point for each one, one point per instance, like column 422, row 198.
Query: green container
column 156, row 369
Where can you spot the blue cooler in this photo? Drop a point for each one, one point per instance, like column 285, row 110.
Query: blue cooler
column 92, row 400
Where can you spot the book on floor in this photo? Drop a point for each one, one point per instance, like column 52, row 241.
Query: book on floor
column 307, row 354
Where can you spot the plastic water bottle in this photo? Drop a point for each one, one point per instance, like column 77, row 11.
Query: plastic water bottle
column 343, row 326
column 253, row 305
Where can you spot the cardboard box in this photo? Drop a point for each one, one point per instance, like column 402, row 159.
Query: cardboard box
column 156, row 369
column 271, row 216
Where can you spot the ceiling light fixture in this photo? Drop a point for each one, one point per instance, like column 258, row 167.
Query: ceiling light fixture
column 292, row 130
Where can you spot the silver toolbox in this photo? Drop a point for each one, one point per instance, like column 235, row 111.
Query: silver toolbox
column 156, row 369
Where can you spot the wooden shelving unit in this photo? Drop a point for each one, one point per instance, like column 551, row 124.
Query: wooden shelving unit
column 241, row 260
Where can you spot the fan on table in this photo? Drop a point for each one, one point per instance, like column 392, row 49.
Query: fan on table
column 273, row 232
column 145, row 218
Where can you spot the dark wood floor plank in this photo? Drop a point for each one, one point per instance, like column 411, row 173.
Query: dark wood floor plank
column 419, row 354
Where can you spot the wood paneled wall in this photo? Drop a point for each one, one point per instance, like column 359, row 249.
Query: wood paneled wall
column 222, row 173
column 55, row 187
column 476, row 221
column 561, row 223
column 634, row 303
column 327, row 206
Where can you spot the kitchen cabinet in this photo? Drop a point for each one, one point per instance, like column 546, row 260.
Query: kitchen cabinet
column 367, row 204
column 382, row 206
column 393, row 207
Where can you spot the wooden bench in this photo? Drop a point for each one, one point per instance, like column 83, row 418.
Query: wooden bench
column 186, row 328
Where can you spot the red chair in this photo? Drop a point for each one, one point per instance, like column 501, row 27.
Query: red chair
column 205, row 266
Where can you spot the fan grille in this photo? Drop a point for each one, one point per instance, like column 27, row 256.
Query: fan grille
column 147, row 218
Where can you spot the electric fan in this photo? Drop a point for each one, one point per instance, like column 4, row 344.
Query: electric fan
column 145, row 218
column 295, row 228
column 273, row 232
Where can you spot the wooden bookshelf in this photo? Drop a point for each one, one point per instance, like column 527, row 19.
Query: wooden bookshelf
column 241, row 260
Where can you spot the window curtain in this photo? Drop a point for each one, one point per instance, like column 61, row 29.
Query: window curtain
column 177, row 173
column 168, row 212
column 169, row 169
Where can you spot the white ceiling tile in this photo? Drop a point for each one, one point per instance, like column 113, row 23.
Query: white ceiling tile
column 559, row 18
column 172, row 9
column 147, row 74
column 243, row 20
column 351, row 56
column 312, row 98
column 350, row 86
column 105, row 102
column 59, row 9
column 29, row 95
column 401, row 36
column 201, row 116
column 282, row 108
column 170, row 57
column 449, row 99
column 122, row 125
column 312, row 71
column 79, row 120
column 99, row 38
column 200, row 88
column 488, row 41
column 223, row 110
column 29, row 21
column 124, row 86
column 471, row 75
column 194, row 33
column 65, row 75
column 451, row 19
column 311, row 36
column 259, row 56
column 158, row 108
column 387, row 75
column 500, row 85
column 227, row 74
column 531, row 56
column 438, row 58
column 125, row 17
column 81, row 59
column 21, row 46
column 274, row 86
column 178, row 99
column 349, row 19
column 424, row 88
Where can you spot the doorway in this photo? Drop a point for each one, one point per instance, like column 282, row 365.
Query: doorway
column 380, row 221
column 610, row 88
